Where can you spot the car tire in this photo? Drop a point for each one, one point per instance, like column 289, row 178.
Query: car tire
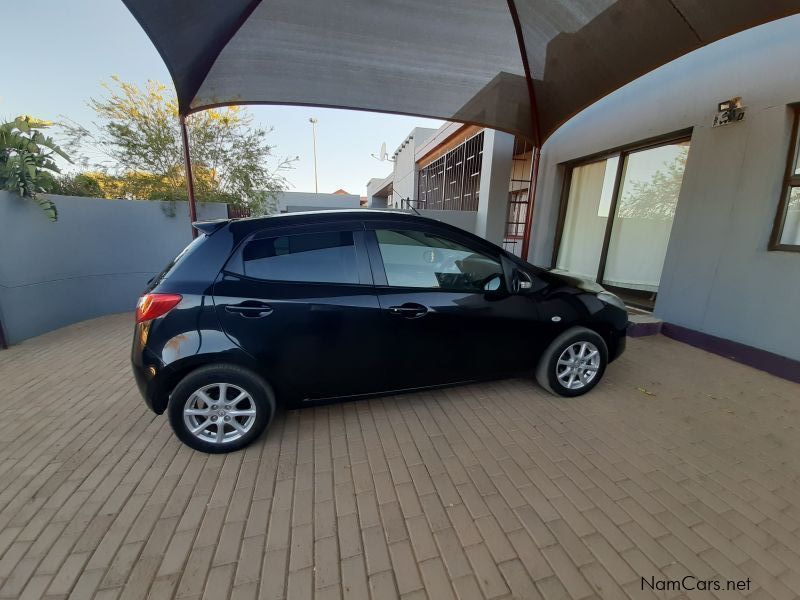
column 564, row 372
column 206, row 421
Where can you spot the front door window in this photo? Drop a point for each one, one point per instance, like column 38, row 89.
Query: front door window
column 416, row 259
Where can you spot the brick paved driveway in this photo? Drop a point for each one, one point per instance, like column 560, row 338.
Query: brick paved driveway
column 680, row 463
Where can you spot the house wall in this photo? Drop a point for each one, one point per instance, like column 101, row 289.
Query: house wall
column 718, row 276
column 498, row 153
column 294, row 201
column 404, row 182
column 377, row 194
column 463, row 219
column 95, row 260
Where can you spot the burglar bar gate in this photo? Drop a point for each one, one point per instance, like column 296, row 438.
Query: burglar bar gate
column 452, row 181
column 518, row 196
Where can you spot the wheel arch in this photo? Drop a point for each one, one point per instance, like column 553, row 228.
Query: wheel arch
column 178, row 370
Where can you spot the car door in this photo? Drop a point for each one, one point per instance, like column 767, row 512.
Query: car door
column 300, row 301
column 448, row 313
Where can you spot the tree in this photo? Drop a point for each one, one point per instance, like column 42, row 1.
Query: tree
column 27, row 165
column 135, row 150
column 77, row 184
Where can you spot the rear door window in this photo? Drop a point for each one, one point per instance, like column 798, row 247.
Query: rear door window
column 325, row 257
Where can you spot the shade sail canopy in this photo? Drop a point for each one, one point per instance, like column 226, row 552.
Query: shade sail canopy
column 523, row 66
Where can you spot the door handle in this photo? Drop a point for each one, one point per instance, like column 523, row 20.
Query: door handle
column 250, row 310
column 409, row 310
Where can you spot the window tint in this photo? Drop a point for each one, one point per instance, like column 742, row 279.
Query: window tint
column 421, row 260
column 314, row 257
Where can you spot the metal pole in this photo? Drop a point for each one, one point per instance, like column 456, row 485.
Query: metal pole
column 313, row 122
column 187, row 163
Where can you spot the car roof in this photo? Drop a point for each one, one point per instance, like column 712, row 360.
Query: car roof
column 250, row 224
column 338, row 215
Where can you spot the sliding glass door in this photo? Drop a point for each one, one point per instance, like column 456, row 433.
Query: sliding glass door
column 617, row 218
column 588, row 205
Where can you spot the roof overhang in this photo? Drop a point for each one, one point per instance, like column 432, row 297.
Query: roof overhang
column 520, row 66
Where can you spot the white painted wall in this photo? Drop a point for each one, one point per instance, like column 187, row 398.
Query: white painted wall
column 295, row 201
column 718, row 275
column 498, row 152
column 463, row 219
column 405, row 171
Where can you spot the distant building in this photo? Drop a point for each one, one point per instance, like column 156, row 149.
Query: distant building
column 470, row 176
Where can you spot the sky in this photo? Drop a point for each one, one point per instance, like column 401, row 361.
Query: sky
column 63, row 49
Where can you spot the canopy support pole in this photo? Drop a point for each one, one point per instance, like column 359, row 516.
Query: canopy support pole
column 187, row 163
column 537, row 139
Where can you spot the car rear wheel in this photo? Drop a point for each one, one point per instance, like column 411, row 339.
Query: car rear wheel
column 220, row 408
column 573, row 363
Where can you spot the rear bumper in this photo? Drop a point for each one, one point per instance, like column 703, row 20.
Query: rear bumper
column 147, row 373
column 148, row 384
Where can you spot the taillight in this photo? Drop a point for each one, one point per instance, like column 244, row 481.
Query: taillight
column 152, row 306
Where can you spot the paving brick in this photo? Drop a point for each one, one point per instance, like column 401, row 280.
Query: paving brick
column 452, row 553
column 326, row 562
column 435, row 578
column 467, row 588
column 495, row 539
column 567, row 573
column 489, row 577
column 421, row 538
column 376, row 550
column 519, row 581
column 382, row 585
column 405, row 567
column 354, row 577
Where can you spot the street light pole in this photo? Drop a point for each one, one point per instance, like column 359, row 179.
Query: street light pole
column 313, row 121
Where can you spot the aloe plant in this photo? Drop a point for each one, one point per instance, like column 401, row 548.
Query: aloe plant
column 27, row 162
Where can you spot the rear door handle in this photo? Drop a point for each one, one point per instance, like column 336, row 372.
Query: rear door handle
column 250, row 310
column 409, row 310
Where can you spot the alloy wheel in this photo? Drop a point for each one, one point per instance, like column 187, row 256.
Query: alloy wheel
column 578, row 365
column 219, row 413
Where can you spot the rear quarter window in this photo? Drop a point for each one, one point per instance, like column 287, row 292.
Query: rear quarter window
column 326, row 257
column 175, row 262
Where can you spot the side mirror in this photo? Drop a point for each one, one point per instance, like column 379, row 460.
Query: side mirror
column 520, row 282
column 517, row 281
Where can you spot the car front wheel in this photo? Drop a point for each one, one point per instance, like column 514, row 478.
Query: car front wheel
column 573, row 363
column 220, row 408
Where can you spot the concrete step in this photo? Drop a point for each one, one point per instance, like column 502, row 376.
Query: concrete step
column 641, row 324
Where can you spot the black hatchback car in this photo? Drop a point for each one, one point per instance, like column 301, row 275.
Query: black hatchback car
column 312, row 307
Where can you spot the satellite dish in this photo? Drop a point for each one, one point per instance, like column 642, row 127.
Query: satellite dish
column 383, row 156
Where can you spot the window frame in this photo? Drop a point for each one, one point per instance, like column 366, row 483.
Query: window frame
column 621, row 152
column 790, row 180
column 379, row 268
column 356, row 228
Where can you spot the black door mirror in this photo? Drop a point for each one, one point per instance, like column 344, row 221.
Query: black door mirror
column 517, row 281
column 520, row 282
